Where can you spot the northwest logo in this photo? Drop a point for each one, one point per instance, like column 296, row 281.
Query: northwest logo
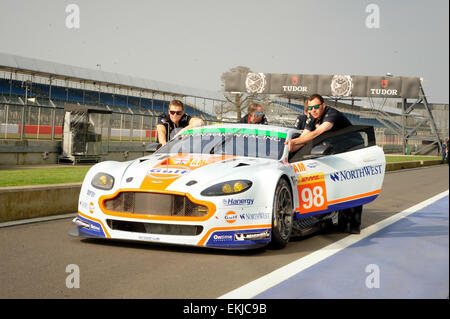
column 343, row 176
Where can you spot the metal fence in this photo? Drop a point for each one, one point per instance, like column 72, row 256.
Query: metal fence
column 45, row 122
column 20, row 122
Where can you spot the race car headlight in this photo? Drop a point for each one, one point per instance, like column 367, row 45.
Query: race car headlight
column 103, row 181
column 227, row 188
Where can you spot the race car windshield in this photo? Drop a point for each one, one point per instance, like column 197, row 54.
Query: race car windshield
column 238, row 143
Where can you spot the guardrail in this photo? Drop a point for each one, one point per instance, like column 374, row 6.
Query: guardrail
column 24, row 202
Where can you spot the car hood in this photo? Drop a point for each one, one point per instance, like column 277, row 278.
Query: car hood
column 164, row 172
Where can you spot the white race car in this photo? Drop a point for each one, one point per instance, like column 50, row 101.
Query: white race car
column 233, row 186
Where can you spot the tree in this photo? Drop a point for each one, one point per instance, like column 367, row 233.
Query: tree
column 237, row 102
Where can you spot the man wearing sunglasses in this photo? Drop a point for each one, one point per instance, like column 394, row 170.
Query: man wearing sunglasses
column 300, row 123
column 175, row 122
column 321, row 119
column 255, row 115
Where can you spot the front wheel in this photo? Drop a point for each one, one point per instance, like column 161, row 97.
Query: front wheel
column 282, row 215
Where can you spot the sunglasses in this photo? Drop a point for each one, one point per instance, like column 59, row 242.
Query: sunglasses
column 258, row 114
column 309, row 108
column 176, row 112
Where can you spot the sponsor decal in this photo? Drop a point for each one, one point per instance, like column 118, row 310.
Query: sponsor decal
column 357, row 173
column 231, row 238
column 384, row 89
column 294, row 87
column 84, row 205
column 169, row 171
column 91, row 207
column 312, row 193
column 222, row 237
column 311, row 178
column 95, row 228
column 252, row 236
column 299, row 167
column 149, row 238
column 231, row 217
column 312, row 165
column 254, row 216
column 383, row 92
column 238, row 202
column 182, row 161
column 90, row 193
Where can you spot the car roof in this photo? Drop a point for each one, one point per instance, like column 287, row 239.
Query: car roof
column 249, row 126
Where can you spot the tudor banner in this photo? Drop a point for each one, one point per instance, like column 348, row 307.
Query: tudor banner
column 328, row 85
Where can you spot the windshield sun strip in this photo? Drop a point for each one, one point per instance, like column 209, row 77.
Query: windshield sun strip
column 236, row 131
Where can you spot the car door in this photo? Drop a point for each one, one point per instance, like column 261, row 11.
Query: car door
column 338, row 170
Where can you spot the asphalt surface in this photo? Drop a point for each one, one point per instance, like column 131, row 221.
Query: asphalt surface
column 34, row 257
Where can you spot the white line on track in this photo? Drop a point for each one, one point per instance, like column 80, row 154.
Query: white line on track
column 36, row 220
column 263, row 283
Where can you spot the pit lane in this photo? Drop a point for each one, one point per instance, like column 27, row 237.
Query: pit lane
column 34, row 257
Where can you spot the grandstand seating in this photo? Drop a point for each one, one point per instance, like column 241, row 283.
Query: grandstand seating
column 65, row 94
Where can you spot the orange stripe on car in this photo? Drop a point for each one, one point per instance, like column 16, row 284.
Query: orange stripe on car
column 345, row 199
column 169, row 170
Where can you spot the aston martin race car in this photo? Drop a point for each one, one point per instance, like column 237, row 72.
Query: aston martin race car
column 234, row 186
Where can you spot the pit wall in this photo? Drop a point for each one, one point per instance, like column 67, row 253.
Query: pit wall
column 34, row 152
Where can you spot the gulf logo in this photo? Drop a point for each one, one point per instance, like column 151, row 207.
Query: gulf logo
column 91, row 207
column 231, row 217
column 169, row 171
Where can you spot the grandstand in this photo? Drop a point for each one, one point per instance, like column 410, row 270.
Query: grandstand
column 33, row 94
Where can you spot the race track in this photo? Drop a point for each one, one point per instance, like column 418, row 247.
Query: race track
column 34, row 257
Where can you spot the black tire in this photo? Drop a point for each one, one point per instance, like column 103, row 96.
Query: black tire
column 282, row 215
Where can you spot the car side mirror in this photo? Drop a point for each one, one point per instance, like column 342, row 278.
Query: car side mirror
column 152, row 147
column 321, row 150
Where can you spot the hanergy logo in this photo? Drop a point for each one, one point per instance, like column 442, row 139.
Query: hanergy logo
column 365, row 171
column 168, row 171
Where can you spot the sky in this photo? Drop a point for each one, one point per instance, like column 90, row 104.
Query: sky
column 191, row 43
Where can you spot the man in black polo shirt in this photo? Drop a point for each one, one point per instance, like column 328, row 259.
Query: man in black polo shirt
column 321, row 119
column 300, row 122
column 176, row 118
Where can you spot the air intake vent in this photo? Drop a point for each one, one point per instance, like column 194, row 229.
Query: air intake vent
column 157, row 229
column 155, row 204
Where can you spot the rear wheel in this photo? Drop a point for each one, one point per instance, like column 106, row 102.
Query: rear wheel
column 282, row 215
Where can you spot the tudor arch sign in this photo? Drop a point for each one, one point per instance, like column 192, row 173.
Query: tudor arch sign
column 336, row 85
column 339, row 86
